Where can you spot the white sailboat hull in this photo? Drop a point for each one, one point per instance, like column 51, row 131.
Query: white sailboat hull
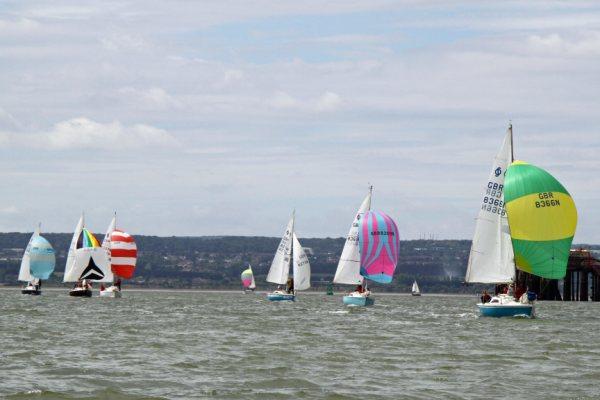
column 357, row 299
column 111, row 291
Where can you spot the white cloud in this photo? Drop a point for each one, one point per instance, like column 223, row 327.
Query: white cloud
column 328, row 101
column 152, row 98
column 586, row 44
column 9, row 210
column 283, row 100
column 85, row 133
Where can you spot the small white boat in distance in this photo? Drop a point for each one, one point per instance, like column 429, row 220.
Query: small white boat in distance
column 415, row 289
column 248, row 280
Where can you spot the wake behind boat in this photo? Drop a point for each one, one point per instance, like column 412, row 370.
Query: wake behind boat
column 289, row 250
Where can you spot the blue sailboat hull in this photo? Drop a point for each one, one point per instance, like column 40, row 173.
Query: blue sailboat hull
column 281, row 297
column 505, row 310
column 358, row 301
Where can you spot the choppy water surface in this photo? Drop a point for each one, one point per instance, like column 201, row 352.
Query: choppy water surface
column 230, row 345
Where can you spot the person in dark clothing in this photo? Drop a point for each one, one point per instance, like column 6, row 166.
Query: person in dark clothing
column 485, row 297
column 118, row 284
column 290, row 286
column 359, row 289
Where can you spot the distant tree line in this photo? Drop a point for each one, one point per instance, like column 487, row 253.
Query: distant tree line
column 215, row 262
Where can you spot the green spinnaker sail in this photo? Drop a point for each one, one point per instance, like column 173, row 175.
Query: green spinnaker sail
column 542, row 218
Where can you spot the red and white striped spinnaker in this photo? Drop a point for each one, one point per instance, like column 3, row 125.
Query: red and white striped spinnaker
column 122, row 251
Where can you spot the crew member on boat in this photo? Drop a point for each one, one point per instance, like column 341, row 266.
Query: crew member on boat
column 290, row 285
column 485, row 297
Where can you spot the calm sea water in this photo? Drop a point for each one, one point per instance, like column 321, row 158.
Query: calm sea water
column 182, row 345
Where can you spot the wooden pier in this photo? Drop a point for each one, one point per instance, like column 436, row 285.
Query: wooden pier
column 581, row 283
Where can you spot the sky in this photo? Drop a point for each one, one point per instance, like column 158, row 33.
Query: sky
column 221, row 117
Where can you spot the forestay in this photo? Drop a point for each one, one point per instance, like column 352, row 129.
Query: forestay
column 491, row 258
column 348, row 269
column 301, row 266
column 280, row 267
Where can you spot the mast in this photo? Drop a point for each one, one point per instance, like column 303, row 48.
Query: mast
column 512, row 147
column 512, row 159
column 291, row 260
column 366, row 281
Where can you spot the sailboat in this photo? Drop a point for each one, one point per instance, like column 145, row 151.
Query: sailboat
column 248, row 280
column 527, row 221
column 370, row 251
column 122, row 252
column 87, row 261
column 289, row 250
column 415, row 289
column 37, row 263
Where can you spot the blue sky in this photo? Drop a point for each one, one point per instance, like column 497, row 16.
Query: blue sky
column 212, row 118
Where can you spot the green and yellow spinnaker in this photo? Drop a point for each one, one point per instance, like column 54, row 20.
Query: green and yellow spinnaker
column 542, row 219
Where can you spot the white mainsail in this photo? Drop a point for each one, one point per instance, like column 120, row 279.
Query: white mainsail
column 491, row 259
column 348, row 269
column 111, row 227
column 71, row 255
column 301, row 266
column 415, row 287
column 25, row 269
column 280, row 267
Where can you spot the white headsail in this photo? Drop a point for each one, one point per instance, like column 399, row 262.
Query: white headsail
column 348, row 269
column 301, row 266
column 491, row 259
column 253, row 284
column 25, row 270
column 280, row 267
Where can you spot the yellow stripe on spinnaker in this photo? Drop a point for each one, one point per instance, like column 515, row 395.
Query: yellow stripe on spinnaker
column 542, row 216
